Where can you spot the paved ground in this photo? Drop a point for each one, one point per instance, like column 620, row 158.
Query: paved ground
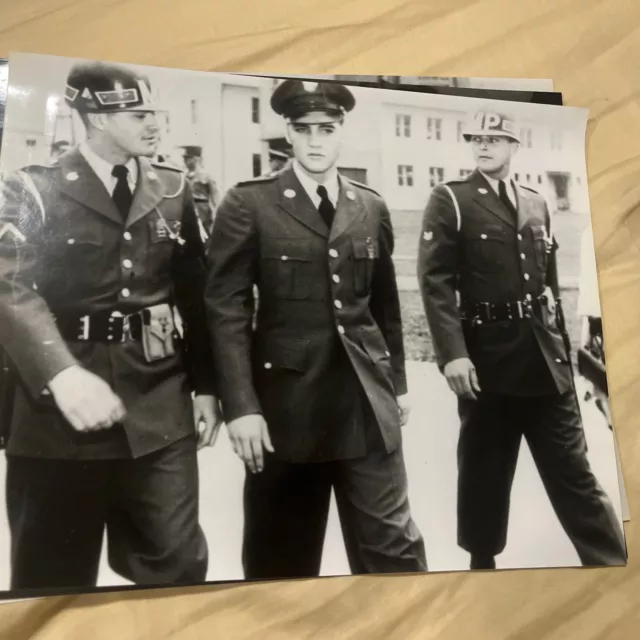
column 535, row 537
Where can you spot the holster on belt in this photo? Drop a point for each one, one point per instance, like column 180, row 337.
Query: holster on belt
column 158, row 332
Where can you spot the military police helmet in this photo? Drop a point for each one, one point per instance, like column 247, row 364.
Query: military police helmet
column 491, row 123
column 293, row 98
column 100, row 87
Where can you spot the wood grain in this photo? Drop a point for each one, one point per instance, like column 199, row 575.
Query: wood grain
column 592, row 50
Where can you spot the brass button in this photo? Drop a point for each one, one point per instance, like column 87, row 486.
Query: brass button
column 333, row 253
column 336, row 278
column 338, row 304
column 127, row 264
column 125, row 293
column 127, row 236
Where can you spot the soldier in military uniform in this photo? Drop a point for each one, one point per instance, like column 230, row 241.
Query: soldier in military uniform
column 102, row 270
column 488, row 275
column 314, row 395
column 204, row 188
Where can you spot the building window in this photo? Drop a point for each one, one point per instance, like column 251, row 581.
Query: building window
column 540, row 179
column 556, row 140
column 516, row 177
column 434, row 128
column 194, row 112
column 526, row 137
column 459, row 129
column 257, row 164
column 255, row 110
column 403, row 126
column 436, row 176
column 405, row 175
column 528, row 177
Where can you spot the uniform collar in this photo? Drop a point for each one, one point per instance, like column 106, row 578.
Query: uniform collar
column 494, row 183
column 103, row 169
column 310, row 185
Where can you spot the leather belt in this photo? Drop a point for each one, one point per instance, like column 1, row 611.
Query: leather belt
column 105, row 326
column 479, row 312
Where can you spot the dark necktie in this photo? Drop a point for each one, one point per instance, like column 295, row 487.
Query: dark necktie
column 325, row 209
column 122, row 195
column 506, row 200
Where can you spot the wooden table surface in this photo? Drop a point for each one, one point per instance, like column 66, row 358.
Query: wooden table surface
column 591, row 48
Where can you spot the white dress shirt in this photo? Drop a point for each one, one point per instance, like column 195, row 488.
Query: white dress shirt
column 103, row 169
column 331, row 184
column 509, row 184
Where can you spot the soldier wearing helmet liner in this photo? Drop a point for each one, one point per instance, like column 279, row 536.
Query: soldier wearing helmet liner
column 488, row 277
column 102, row 271
column 206, row 194
column 314, row 396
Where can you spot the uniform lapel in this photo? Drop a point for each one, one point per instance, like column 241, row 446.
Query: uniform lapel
column 487, row 198
column 350, row 209
column 80, row 182
column 524, row 206
column 295, row 201
column 148, row 194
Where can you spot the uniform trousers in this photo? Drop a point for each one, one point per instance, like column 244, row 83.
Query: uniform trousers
column 58, row 511
column 286, row 508
column 491, row 432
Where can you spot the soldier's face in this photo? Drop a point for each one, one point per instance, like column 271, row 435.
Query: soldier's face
column 191, row 162
column 493, row 153
column 136, row 133
column 316, row 140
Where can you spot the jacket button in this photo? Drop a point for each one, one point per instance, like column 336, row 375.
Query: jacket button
column 284, row 258
column 523, row 256
column 71, row 241
column 340, row 329
column 519, row 236
column 338, row 304
column 127, row 236
column 526, row 276
column 336, row 278
column 125, row 293
column 267, row 365
column 333, row 253
column 127, row 264
column 558, row 360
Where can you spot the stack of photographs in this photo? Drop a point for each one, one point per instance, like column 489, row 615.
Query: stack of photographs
column 260, row 327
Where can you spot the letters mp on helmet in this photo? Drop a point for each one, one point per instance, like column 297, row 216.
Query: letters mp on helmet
column 491, row 123
column 98, row 87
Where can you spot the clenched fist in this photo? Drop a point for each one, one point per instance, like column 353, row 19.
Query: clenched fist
column 462, row 378
column 86, row 400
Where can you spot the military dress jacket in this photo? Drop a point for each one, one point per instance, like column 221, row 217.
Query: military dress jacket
column 321, row 354
column 65, row 252
column 472, row 250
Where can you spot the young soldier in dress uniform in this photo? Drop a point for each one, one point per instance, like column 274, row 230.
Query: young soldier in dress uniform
column 101, row 263
column 312, row 397
column 204, row 188
column 488, row 241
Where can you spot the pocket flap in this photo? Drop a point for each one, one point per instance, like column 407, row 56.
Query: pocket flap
column 365, row 248
column 286, row 354
column 285, row 249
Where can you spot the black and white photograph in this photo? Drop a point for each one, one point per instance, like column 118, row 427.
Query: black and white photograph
column 263, row 328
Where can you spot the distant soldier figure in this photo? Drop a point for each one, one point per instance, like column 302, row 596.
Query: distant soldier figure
column 278, row 160
column 58, row 149
column 487, row 241
column 206, row 194
column 101, row 263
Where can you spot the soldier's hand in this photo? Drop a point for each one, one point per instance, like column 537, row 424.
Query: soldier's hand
column 86, row 400
column 208, row 418
column 404, row 406
column 248, row 435
column 462, row 378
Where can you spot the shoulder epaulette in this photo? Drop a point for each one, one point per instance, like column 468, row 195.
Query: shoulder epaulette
column 257, row 180
column 529, row 189
column 366, row 187
column 40, row 169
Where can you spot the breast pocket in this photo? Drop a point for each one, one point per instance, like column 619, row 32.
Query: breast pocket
column 486, row 249
column 75, row 256
column 542, row 247
column 365, row 253
column 161, row 234
column 288, row 269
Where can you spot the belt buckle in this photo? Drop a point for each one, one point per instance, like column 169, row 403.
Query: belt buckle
column 84, row 328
